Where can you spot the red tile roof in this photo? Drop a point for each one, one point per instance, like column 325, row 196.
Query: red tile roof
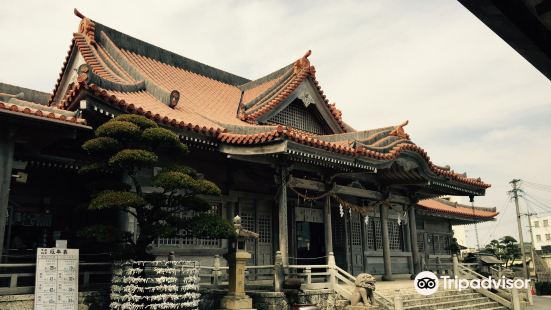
column 31, row 109
column 281, row 87
column 215, row 102
column 445, row 206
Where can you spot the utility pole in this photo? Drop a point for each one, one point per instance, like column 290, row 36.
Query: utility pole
column 532, row 247
column 521, row 239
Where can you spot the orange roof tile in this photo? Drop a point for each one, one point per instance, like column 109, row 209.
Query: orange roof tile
column 37, row 110
column 256, row 91
column 216, row 102
column 198, row 94
column 443, row 206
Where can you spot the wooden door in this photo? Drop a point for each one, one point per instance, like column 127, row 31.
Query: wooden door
column 264, row 254
column 339, row 238
column 356, row 247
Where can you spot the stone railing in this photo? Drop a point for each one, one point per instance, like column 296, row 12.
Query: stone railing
column 511, row 299
column 313, row 277
column 20, row 278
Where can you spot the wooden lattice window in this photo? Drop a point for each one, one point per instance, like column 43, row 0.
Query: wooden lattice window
column 183, row 241
column 264, row 228
column 394, row 234
column 247, row 220
column 421, row 241
column 296, row 115
column 378, row 233
column 441, row 243
column 356, row 233
column 370, row 234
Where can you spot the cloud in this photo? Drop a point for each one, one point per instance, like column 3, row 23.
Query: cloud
column 472, row 101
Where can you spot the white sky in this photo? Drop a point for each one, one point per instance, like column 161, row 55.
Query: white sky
column 471, row 100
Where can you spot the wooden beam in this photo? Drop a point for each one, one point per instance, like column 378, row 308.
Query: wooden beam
column 254, row 150
column 345, row 190
column 306, row 184
column 358, row 192
column 403, row 200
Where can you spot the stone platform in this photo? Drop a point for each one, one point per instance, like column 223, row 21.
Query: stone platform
column 368, row 307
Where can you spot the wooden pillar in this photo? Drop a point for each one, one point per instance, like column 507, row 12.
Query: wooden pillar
column 413, row 238
column 282, row 216
column 6, row 164
column 386, row 243
column 407, row 244
column 328, row 227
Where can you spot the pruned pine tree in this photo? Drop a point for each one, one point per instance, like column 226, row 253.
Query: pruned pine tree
column 128, row 145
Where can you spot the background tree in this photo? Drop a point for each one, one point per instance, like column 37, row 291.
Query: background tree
column 454, row 247
column 511, row 249
column 495, row 248
column 123, row 153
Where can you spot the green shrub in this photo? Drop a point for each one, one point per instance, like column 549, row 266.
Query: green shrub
column 133, row 158
column 112, row 199
column 101, row 145
column 119, row 130
column 137, row 120
column 543, row 288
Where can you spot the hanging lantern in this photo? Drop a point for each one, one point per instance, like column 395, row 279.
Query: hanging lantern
column 341, row 211
column 350, row 211
column 366, row 220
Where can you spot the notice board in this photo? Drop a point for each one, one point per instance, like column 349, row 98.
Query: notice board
column 56, row 285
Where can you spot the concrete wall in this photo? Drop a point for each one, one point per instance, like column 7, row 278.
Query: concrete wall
column 210, row 299
column 96, row 300
column 325, row 299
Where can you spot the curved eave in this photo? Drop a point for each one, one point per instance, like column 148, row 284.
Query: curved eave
column 460, row 219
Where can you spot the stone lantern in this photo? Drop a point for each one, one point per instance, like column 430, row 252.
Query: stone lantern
column 237, row 257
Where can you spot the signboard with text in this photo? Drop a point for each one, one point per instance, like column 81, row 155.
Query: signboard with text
column 56, row 285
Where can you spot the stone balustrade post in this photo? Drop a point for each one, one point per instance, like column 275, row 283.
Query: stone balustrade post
column 455, row 262
column 398, row 302
column 308, row 273
column 331, row 264
column 515, row 296
column 279, row 274
column 216, row 270
column 530, row 298
column 171, row 256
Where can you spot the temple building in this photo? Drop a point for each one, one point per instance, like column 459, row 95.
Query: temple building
column 285, row 159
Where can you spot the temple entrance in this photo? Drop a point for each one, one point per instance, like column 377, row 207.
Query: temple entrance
column 310, row 243
column 310, row 237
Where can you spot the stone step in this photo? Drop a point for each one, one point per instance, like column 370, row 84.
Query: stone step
column 436, row 299
column 412, row 294
column 368, row 307
column 485, row 305
column 449, row 304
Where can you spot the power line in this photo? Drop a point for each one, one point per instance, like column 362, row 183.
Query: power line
column 536, row 186
column 535, row 201
column 508, row 203
column 544, row 201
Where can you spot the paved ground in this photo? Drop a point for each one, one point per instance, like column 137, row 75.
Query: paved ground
column 541, row 303
column 394, row 285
